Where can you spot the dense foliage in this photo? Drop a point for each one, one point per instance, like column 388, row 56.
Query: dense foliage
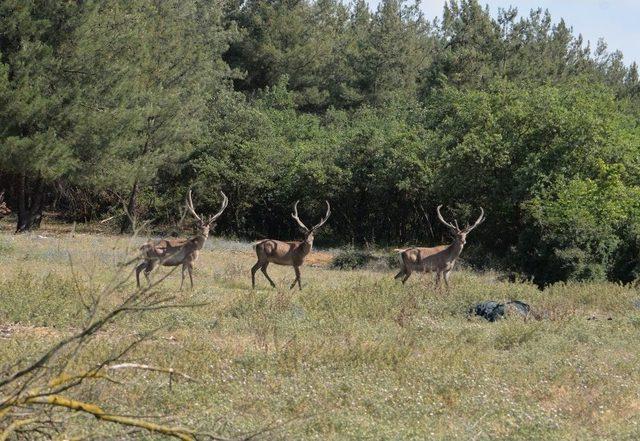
column 382, row 112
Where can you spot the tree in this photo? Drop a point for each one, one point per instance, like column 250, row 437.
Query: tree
column 150, row 70
column 35, row 145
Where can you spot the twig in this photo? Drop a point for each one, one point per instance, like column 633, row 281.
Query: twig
column 13, row 426
column 147, row 367
column 61, row 401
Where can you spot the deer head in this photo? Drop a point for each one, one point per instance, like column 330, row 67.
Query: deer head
column 4, row 210
column 460, row 235
column 309, row 232
column 204, row 226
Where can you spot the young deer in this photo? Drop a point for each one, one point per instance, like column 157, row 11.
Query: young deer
column 440, row 259
column 4, row 210
column 286, row 253
column 174, row 252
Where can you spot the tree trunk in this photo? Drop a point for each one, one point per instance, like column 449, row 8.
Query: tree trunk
column 30, row 204
column 127, row 221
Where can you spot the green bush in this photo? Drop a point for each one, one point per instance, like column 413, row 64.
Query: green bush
column 351, row 258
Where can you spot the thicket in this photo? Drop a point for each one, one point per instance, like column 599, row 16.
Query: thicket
column 381, row 112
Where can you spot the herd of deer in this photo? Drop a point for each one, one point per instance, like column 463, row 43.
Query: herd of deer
column 174, row 252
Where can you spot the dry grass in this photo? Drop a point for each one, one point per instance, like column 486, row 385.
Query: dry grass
column 352, row 356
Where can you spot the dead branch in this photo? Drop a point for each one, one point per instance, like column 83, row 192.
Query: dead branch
column 61, row 401
column 147, row 367
column 41, row 386
column 11, row 428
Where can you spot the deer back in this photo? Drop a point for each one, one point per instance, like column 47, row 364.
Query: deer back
column 162, row 248
column 282, row 253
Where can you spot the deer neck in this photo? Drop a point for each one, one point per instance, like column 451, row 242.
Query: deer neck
column 455, row 249
column 306, row 245
column 199, row 240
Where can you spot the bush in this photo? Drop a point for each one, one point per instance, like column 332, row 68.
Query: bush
column 351, row 258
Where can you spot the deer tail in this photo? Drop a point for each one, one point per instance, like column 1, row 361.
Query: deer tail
column 143, row 253
column 255, row 244
column 138, row 257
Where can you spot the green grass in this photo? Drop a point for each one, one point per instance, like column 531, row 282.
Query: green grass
column 352, row 356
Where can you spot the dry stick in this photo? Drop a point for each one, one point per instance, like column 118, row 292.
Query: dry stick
column 89, row 330
column 107, row 219
column 13, row 426
column 272, row 427
column 141, row 300
column 147, row 367
column 61, row 401
column 424, row 212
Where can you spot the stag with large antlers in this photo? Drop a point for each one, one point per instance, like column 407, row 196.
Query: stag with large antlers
column 440, row 259
column 286, row 253
column 174, row 252
column 4, row 210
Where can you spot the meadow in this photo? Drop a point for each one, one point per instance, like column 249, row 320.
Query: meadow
column 354, row 355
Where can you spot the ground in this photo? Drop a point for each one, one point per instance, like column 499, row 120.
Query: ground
column 354, row 355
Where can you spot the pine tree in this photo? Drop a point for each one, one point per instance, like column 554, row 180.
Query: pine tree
column 35, row 146
column 152, row 70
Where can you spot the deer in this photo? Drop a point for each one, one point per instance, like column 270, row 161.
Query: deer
column 174, row 252
column 440, row 259
column 4, row 210
column 290, row 253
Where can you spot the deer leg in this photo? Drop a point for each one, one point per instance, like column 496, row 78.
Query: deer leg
column 446, row 279
column 407, row 274
column 400, row 273
column 297, row 279
column 264, row 271
column 190, row 269
column 184, row 267
column 438, row 273
column 139, row 268
column 151, row 265
column 255, row 268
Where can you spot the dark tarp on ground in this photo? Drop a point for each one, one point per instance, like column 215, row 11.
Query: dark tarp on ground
column 492, row 311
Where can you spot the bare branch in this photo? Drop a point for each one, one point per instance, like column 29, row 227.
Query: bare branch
column 147, row 367
column 80, row 406
column 11, row 428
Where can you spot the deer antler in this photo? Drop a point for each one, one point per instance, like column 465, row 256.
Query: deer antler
column 225, row 202
column 294, row 215
column 325, row 218
column 454, row 228
column 478, row 222
column 189, row 203
column 1, row 196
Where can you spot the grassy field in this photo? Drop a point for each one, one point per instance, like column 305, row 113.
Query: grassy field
column 353, row 355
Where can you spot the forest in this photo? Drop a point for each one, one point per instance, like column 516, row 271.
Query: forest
column 120, row 106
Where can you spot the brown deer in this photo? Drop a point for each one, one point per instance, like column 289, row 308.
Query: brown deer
column 286, row 253
column 4, row 210
column 174, row 252
column 440, row 259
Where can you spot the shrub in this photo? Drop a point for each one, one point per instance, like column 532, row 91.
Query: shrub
column 351, row 258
